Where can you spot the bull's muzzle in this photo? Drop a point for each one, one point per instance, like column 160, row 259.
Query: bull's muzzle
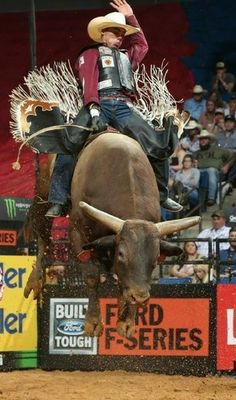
column 139, row 296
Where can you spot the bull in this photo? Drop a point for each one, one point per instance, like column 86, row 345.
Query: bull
column 116, row 213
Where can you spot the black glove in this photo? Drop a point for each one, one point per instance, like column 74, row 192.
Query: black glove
column 97, row 125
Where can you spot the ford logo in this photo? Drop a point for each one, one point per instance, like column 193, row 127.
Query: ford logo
column 71, row 327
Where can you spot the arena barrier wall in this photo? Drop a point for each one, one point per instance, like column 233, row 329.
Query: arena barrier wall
column 18, row 316
column 176, row 332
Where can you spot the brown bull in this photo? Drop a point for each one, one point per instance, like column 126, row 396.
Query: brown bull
column 116, row 212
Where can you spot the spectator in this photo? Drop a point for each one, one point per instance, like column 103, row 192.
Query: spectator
column 207, row 118
column 218, row 231
column 219, row 120
column 229, row 255
column 227, row 137
column 223, row 81
column 201, row 274
column 190, row 142
column 186, row 182
column 231, row 106
column 196, row 105
column 213, row 159
column 182, row 269
column 215, row 96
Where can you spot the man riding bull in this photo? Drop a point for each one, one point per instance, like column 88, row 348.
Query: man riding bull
column 105, row 73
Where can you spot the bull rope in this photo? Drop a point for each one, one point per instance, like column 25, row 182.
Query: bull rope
column 16, row 164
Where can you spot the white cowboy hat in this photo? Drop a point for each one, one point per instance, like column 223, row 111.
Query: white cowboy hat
column 111, row 20
column 204, row 134
column 192, row 125
column 197, row 89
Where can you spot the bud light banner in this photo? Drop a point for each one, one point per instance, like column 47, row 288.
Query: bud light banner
column 14, row 208
column 67, row 318
column 226, row 327
column 18, row 316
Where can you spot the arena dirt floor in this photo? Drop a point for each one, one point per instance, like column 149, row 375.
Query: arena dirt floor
column 118, row 385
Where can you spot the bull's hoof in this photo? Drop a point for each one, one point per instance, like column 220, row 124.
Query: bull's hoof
column 35, row 287
column 93, row 328
column 125, row 328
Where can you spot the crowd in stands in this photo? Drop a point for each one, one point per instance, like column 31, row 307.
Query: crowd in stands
column 202, row 171
column 206, row 153
column 209, row 258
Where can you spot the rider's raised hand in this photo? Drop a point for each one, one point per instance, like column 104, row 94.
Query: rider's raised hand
column 122, row 6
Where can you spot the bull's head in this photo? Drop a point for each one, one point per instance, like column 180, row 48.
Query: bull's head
column 137, row 246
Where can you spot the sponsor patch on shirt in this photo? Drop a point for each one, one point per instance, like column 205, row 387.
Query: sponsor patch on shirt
column 107, row 61
column 105, row 50
column 104, row 84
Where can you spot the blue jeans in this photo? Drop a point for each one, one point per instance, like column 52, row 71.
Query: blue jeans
column 122, row 117
column 214, row 177
column 59, row 189
column 193, row 198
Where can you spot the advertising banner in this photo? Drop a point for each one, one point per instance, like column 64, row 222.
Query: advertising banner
column 14, row 208
column 226, row 327
column 67, row 327
column 166, row 327
column 8, row 237
column 18, row 316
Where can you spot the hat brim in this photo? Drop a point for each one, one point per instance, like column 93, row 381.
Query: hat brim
column 210, row 136
column 97, row 25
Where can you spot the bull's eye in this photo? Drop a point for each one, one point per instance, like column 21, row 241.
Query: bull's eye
column 121, row 255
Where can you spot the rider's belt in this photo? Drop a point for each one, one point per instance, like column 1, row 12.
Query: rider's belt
column 117, row 98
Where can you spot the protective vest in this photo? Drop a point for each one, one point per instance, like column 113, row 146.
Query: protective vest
column 115, row 71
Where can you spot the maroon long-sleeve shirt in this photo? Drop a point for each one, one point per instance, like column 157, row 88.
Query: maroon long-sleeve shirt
column 87, row 63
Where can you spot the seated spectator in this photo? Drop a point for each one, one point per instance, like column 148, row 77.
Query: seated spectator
column 230, row 212
column 228, row 256
column 219, row 121
column 227, row 137
column 213, row 159
column 186, row 182
column 223, row 81
column 231, row 106
column 201, row 273
column 182, row 269
column 190, row 142
column 216, row 97
column 176, row 159
column 207, row 118
column 196, row 105
column 218, row 231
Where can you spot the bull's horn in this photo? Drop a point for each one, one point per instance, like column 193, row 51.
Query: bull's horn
column 111, row 222
column 168, row 227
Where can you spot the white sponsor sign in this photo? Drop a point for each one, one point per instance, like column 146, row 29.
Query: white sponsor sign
column 67, row 317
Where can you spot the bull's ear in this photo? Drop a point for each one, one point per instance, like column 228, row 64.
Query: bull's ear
column 169, row 249
column 175, row 225
column 105, row 242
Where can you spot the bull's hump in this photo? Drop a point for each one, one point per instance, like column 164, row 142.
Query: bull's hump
column 118, row 141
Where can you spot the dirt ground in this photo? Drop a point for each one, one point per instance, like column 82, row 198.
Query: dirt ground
column 118, row 385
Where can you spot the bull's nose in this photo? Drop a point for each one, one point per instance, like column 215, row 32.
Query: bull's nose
column 140, row 297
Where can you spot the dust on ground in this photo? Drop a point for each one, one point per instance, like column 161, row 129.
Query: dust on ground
column 112, row 385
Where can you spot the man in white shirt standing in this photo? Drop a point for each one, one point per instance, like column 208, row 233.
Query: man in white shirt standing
column 218, row 231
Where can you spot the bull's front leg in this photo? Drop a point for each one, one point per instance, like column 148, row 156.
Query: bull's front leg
column 93, row 321
column 34, row 282
column 126, row 318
